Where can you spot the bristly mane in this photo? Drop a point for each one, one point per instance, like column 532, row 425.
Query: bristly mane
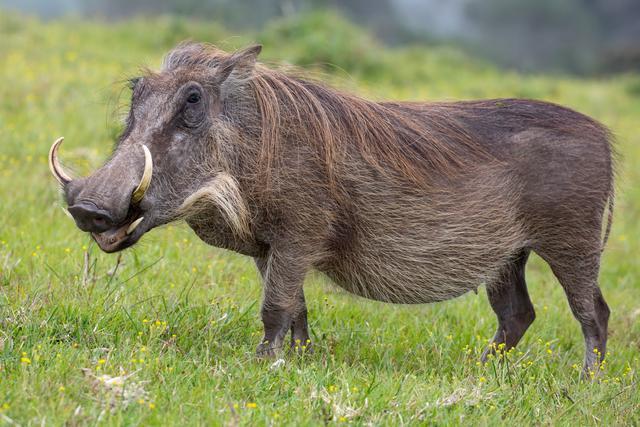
column 416, row 141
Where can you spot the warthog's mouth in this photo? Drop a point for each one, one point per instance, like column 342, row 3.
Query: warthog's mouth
column 121, row 236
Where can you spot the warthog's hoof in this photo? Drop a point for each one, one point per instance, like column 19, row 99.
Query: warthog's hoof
column 268, row 350
column 488, row 352
column 485, row 354
column 497, row 350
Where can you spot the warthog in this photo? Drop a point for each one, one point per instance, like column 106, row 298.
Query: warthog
column 401, row 202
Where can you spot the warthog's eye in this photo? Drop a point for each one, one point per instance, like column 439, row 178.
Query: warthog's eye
column 194, row 98
column 193, row 111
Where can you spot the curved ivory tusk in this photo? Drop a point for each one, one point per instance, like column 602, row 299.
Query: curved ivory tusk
column 133, row 225
column 66, row 212
column 54, row 164
column 139, row 192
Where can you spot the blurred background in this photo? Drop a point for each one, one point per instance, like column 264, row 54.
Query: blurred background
column 582, row 37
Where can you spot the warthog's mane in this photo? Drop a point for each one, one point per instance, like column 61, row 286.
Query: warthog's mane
column 412, row 141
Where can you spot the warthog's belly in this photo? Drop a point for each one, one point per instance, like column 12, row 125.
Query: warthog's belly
column 408, row 249
column 416, row 284
column 419, row 273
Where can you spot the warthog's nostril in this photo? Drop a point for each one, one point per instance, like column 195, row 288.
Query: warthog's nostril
column 89, row 217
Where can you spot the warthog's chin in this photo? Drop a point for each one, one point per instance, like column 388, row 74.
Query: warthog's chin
column 121, row 237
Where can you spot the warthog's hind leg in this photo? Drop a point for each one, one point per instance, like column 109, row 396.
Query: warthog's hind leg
column 510, row 301
column 578, row 275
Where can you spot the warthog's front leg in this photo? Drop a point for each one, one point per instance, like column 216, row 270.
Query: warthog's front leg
column 283, row 307
column 300, row 339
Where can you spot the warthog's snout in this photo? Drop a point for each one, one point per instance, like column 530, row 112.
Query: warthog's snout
column 90, row 218
column 107, row 204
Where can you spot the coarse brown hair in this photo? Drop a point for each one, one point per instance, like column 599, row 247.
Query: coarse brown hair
column 389, row 138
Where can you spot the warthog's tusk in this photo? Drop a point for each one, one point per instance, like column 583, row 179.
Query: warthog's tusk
column 66, row 212
column 134, row 224
column 54, row 164
column 139, row 192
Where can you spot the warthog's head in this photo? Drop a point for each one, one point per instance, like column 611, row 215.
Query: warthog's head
column 174, row 153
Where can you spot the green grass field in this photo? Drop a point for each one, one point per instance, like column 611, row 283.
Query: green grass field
column 177, row 322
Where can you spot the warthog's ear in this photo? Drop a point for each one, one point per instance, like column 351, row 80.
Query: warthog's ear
column 239, row 66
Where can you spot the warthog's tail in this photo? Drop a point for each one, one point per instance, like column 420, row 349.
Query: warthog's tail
column 609, row 218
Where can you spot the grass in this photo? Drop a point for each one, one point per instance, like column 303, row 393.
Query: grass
column 179, row 320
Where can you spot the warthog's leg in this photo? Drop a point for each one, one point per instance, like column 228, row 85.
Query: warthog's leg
column 283, row 307
column 300, row 340
column 510, row 301
column 578, row 275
